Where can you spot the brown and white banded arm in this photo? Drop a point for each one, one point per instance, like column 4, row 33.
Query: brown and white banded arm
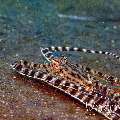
column 47, row 52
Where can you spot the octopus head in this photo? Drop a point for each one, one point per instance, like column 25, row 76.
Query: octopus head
column 57, row 63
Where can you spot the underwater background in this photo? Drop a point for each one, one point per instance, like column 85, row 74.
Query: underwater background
column 28, row 25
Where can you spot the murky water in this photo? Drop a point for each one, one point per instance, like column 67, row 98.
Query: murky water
column 27, row 25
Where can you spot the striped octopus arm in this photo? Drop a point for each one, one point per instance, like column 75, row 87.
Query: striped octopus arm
column 47, row 52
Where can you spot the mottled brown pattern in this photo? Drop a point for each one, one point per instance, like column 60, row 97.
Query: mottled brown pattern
column 46, row 77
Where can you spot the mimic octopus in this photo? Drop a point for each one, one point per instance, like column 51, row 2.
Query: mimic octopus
column 80, row 82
